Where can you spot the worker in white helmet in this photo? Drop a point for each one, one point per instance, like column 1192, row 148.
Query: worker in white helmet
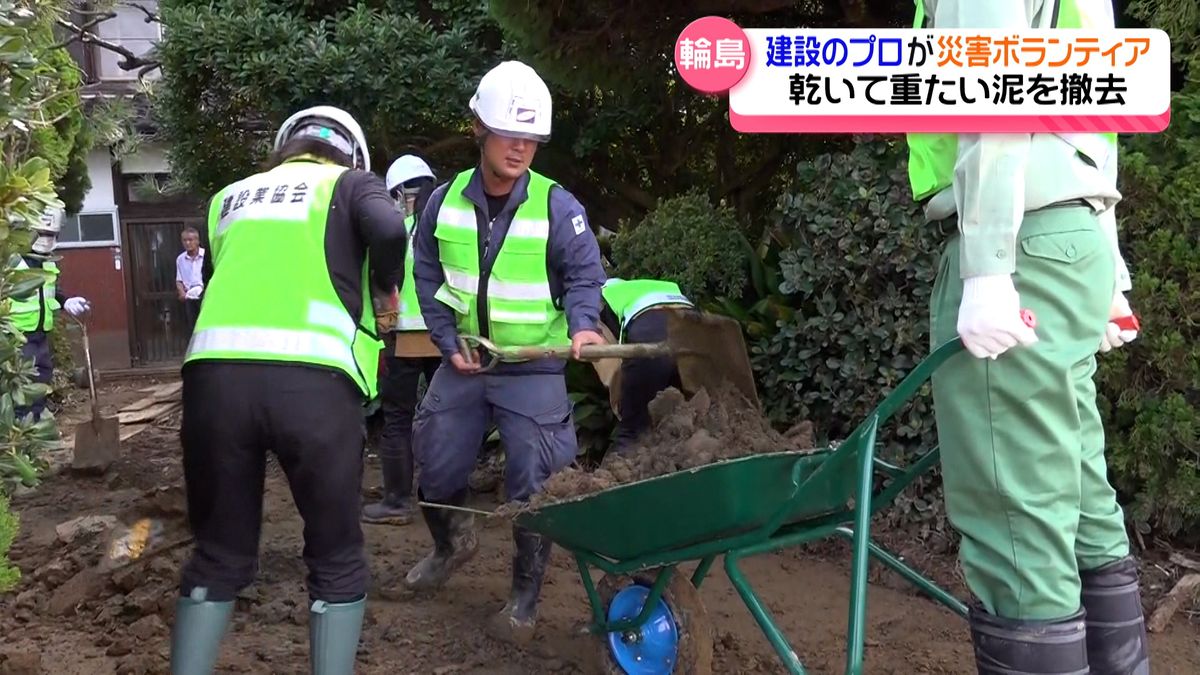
column 408, row 355
column 33, row 313
column 282, row 359
column 506, row 253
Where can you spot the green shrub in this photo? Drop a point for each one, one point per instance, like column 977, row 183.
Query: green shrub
column 9, row 575
column 1150, row 389
column 689, row 241
column 859, row 270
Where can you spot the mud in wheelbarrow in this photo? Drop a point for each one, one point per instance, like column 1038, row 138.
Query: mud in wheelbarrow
column 648, row 618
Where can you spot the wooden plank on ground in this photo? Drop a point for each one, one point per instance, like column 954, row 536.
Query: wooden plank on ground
column 150, row 413
column 128, row 432
column 159, row 394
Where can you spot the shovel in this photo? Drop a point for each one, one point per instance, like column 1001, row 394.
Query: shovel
column 98, row 440
column 708, row 350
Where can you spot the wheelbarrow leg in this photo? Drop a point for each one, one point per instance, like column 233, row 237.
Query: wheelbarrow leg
column 585, row 576
column 857, row 629
column 913, row 577
column 702, row 570
column 762, row 615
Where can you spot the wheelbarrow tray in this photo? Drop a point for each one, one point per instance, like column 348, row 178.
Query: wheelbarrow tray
column 708, row 503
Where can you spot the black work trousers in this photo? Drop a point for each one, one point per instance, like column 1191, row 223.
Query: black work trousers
column 312, row 419
column 191, row 312
column 643, row 379
column 398, row 402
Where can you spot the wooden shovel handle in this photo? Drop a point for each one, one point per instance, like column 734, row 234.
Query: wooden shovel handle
column 590, row 352
column 467, row 343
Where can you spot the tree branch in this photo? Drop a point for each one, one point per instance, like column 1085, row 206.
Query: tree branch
column 129, row 60
column 78, row 32
column 151, row 17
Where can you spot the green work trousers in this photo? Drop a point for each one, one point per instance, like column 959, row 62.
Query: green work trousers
column 1021, row 439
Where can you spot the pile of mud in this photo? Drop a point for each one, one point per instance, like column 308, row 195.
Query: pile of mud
column 82, row 578
column 684, row 434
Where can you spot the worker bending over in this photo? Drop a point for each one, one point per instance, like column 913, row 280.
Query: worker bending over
column 1044, row 547
column 33, row 314
column 505, row 253
column 410, row 181
column 632, row 311
column 283, row 358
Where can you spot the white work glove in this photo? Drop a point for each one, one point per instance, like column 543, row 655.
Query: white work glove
column 77, row 306
column 1117, row 335
column 989, row 319
column 194, row 292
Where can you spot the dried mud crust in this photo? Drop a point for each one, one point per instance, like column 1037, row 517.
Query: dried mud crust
column 685, row 434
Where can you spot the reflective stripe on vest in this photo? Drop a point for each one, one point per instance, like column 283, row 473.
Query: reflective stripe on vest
column 271, row 297
column 521, row 311
column 410, row 308
column 629, row 298
column 36, row 312
column 932, row 156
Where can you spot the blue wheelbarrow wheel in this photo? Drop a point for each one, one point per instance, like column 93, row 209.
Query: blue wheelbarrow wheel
column 677, row 638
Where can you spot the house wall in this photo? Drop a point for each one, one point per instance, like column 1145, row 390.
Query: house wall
column 95, row 270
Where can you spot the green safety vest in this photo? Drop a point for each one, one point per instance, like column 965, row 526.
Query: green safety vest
column 627, row 298
column 931, row 156
column 520, row 309
column 410, row 308
column 36, row 312
column 271, row 297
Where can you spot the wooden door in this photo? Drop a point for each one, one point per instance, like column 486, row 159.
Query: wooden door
column 159, row 332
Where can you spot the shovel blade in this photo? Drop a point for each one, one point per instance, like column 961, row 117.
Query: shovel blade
column 97, row 444
column 709, row 351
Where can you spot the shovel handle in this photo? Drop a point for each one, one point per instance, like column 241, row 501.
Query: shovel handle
column 87, row 357
column 468, row 343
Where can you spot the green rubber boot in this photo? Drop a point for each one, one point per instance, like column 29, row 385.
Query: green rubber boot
column 196, row 637
column 333, row 632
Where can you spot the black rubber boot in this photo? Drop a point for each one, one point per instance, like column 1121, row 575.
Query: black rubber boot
column 516, row 622
column 454, row 543
column 396, row 507
column 1012, row 647
column 1116, row 628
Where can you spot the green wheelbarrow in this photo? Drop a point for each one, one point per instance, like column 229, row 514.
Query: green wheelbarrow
column 647, row 618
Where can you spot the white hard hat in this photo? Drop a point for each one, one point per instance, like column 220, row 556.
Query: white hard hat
column 406, row 168
column 47, row 229
column 511, row 100
column 326, row 116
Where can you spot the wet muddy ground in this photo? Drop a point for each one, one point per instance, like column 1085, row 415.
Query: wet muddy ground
column 67, row 617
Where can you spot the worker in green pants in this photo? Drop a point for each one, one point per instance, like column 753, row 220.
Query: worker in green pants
column 1031, row 226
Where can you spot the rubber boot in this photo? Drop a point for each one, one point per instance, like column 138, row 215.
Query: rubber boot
column 516, row 622
column 454, row 543
column 200, row 626
column 1116, row 628
column 333, row 632
column 396, row 506
column 1013, row 647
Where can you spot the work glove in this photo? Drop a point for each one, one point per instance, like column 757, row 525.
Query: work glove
column 194, row 292
column 990, row 321
column 387, row 310
column 1122, row 325
column 77, row 306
